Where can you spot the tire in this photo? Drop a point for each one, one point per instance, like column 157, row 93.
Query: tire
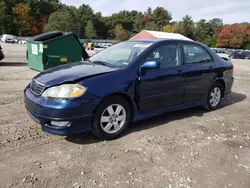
column 1, row 55
column 214, row 103
column 104, row 128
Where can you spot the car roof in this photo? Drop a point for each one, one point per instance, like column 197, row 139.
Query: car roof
column 161, row 40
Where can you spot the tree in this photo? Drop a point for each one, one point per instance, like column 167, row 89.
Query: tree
column 7, row 17
column 153, row 20
column 206, row 31
column 61, row 21
column 234, row 36
column 149, row 11
column 138, row 23
column 144, row 21
column 40, row 12
column 200, row 30
column 216, row 24
column 23, row 19
column 43, row 8
column 120, row 33
column 31, row 17
column 38, row 25
column 161, row 17
column 100, row 26
column 168, row 28
column 203, row 32
column 151, row 26
column 3, row 17
column 178, row 27
column 83, row 15
column 188, row 27
column 127, row 19
column 246, row 45
column 90, row 30
column 14, row 22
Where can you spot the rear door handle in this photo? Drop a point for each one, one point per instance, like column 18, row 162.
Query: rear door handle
column 209, row 71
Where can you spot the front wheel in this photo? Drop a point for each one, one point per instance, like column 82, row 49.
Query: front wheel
column 214, row 97
column 1, row 55
column 111, row 118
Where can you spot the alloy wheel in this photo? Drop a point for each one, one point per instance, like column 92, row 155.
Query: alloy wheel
column 113, row 118
column 215, row 96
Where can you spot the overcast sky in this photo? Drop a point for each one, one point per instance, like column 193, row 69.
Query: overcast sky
column 231, row 11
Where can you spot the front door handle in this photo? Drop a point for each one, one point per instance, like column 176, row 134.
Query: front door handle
column 180, row 72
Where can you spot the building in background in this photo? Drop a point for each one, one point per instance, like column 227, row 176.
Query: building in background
column 146, row 34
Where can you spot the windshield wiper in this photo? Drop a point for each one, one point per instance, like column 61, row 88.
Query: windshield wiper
column 89, row 61
column 103, row 63
column 100, row 63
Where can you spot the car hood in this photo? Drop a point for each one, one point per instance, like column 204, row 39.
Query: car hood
column 71, row 72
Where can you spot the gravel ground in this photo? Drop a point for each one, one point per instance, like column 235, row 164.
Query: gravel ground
column 188, row 148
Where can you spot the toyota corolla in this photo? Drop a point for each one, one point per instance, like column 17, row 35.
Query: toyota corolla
column 127, row 82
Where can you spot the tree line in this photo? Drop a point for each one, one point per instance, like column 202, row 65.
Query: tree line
column 32, row 17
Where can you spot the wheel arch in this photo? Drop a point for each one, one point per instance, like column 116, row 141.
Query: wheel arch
column 126, row 97
column 222, row 83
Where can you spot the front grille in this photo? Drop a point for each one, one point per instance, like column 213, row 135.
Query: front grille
column 36, row 87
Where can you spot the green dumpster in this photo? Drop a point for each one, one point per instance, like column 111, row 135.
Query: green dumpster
column 53, row 49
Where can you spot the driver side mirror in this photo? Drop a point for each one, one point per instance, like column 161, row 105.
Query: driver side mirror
column 150, row 65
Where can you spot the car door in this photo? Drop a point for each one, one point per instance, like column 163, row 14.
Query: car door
column 163, row 87
column 199, row 71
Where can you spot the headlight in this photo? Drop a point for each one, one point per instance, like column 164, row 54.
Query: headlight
column 65, row 91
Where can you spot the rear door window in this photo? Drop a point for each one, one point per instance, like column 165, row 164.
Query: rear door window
column 196, row 54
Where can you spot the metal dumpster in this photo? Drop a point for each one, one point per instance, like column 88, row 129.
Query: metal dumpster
column 52, row 49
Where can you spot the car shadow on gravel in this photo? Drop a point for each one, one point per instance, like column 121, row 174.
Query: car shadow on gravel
column 85, row 138
column 230, row 99
column 89, row 138
column 13, row 64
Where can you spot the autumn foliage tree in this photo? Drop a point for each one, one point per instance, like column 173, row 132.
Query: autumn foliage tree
column 233, row 36
column 32, row 17
column 168, row 28
column 120, row 33
column 23, row 19
column 156, row 19
column 38, row 25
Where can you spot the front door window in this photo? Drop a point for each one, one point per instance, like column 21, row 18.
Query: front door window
column 168, row 55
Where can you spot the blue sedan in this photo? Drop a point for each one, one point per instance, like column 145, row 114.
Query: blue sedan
column 128, row 82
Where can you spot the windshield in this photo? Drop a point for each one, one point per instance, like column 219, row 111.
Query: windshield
column 9, row 37
column 121, row 54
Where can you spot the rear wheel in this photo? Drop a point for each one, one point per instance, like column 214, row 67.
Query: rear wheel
column 111, row 118
column 214, row 97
